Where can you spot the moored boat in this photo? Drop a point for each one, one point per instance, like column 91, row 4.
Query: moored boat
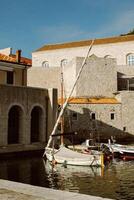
column 125, row 152
column 70, row 157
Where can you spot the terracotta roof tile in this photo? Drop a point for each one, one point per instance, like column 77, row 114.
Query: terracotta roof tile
column 91, row 101
column 125, row 38
column 12, row 58
column 23, row 60
column 6, row 58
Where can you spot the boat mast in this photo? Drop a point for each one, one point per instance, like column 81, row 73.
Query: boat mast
column 62, row 102
column 65, row 103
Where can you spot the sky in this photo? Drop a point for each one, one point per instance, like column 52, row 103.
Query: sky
column 30, row 24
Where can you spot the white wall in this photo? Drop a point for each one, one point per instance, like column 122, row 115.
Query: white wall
column 54, row 57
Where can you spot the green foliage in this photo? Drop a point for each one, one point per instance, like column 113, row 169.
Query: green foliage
column 131, row 32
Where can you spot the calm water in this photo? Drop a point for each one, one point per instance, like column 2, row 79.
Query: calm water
column 115, row 181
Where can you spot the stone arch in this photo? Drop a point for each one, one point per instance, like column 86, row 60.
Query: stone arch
column 15, row 124
column 37, row 124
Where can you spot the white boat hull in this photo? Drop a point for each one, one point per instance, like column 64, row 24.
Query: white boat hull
column 70, row 157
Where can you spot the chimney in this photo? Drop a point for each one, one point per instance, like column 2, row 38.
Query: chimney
column 18, row 56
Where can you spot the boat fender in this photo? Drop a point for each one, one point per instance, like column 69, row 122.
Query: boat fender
column 87, row 151
column 124, row 158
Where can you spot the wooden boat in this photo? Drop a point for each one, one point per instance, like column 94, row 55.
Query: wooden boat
column 70, row 157
column 125, row 152
column 71, row 170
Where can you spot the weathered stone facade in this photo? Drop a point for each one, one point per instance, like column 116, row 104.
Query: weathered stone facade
column 97, row 73
column 44, row 77
column 102, row 127
column 27, row 114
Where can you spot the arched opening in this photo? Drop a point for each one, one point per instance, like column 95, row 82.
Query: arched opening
column 130, row 59
column 108, row 56
column 36, row 124
column 64, row 62
column 14, row 124
column 45, row 64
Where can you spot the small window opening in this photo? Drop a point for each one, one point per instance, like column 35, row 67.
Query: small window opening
column 124, row 128
column 10, row 77
column 74, row 116
column 112, row 116
column 93, row 116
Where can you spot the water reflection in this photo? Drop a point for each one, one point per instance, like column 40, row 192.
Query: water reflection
column 115, row 181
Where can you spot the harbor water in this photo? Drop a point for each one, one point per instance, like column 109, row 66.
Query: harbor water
column 115, row 180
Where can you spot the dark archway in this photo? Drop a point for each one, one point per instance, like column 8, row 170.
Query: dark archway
column 36, row 122
column 14, row 124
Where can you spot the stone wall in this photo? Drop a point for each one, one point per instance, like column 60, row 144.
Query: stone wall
column 126, row 70
column 103, row 126
column 97, row 73
column 44, row 77
column 127, row 99
column 25, row 100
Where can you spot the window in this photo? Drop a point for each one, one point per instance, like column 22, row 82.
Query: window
column 93, row 116
column 45, row 64
column 108, row 56
column 112, row 116
column 64, row 62
column 74, row 116
column 130, row 59
column 10, row 77
column 124, row 128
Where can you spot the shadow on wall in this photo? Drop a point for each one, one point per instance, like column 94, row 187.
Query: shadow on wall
column 87, row 128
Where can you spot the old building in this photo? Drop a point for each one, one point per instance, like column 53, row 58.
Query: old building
column 120, row 47
column 107, row 77
column 27, row 114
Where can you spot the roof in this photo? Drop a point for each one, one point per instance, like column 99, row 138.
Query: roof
column 125, row 38
column 23, row 60
column 12, row 59
column 94, row 100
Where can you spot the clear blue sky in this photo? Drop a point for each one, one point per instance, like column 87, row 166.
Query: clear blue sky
column 29, row 24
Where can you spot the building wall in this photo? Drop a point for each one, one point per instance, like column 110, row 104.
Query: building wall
column 122, row 126
column 103, row 125
column 97, row 73
column 2, row 77
column 26, row 99
column 69, row 77
column 6, row 51
column 44, row 77
column 54, row 57
column 127, row 99
column 20, row 75
column 126, row 70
